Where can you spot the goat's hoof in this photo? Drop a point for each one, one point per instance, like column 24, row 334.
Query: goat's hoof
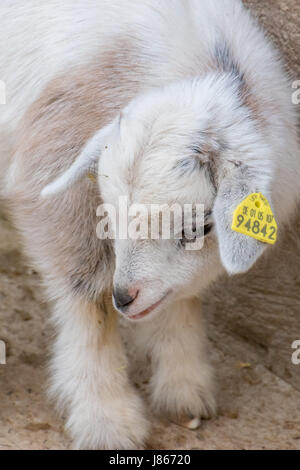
column 188, row 422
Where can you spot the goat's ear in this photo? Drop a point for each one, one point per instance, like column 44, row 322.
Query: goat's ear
column 86, row 162
column 238, row 252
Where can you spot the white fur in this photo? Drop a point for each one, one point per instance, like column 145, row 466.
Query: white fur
column 90, row 380
column 184, row 101
column 182, row 383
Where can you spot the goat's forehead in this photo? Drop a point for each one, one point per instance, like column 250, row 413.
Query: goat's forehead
column 162, row 163
column 166, row 181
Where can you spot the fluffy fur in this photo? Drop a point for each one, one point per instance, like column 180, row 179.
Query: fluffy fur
column 173, row 101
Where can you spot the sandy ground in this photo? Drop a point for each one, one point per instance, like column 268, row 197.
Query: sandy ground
column 257, row 409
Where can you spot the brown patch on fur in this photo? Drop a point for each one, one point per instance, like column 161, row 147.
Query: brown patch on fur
column 60, row 232
column 251, row 102
column 110, row 314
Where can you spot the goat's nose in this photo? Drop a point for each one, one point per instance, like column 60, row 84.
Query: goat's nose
column 124, row 297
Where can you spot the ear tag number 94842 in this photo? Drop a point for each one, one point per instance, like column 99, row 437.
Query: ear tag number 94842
column 254, row 218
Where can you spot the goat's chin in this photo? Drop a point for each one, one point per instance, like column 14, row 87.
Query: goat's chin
column 150, row 311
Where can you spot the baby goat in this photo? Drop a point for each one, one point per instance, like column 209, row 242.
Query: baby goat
column 170, row 101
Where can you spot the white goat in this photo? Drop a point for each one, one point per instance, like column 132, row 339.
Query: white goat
column 173, row 100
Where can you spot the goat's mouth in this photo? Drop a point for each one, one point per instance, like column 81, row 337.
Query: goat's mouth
column 149, row 310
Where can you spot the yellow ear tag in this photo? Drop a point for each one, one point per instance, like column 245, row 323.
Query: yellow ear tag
column 254, row 218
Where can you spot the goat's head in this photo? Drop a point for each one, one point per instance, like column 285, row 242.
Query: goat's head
column 191, row 143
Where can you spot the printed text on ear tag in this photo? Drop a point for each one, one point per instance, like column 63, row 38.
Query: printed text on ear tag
column 254, row 218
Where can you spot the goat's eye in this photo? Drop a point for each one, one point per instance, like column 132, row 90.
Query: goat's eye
column 187, row 239
column 207, row 229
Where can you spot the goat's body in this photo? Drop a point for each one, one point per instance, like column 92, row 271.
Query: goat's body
column 69, row 68
column 161, row 41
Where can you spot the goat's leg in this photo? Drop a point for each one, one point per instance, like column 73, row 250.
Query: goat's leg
column 89, row 378
column 182, row 380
